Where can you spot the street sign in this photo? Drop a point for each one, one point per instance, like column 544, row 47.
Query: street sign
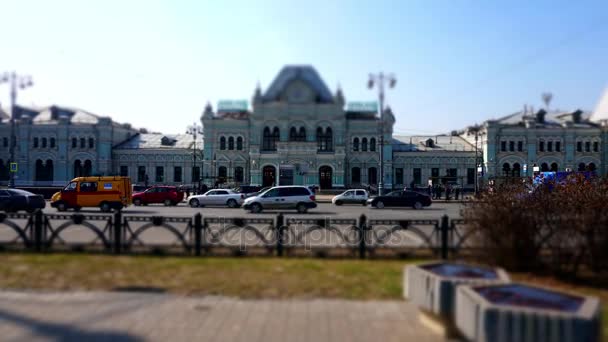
column 13, row 167
column 362, row 106
column 232, row 105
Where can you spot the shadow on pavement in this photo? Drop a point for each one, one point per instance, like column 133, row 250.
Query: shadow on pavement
column 65, row 332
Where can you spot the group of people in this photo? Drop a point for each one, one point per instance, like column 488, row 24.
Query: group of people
column 436, row 191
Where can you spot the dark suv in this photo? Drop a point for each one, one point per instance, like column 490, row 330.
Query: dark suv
column 282, row 197
column 168, row 195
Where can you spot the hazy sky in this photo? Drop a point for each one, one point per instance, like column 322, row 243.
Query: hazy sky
column 156, row 63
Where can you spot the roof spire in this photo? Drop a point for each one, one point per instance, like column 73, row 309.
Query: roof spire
column 339, row 97
column 208, row 112
column 257, row 95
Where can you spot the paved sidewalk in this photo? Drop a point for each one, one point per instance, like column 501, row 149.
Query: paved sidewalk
column 133, row 317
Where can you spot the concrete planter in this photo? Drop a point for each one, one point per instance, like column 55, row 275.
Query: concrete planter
column 517, row 312
column 433, row 286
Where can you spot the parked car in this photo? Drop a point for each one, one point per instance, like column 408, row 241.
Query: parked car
column 139, row 188
column 168, row 195
column 12, row 200
column 248, row 190
column 107, row 193
column 412, row 199
column 353, row 196
column 217, row 197
column 282, row 197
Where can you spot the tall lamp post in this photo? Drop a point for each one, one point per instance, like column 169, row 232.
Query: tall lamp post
column 379, row 81
column 16, row 82
column 478, row 161
column 195, row 129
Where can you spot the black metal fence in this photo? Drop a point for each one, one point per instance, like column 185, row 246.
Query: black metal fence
column 201, row 235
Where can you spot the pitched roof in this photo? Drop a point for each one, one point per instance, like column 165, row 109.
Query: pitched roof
column 441, row 143
column 601, row 111
column 160, row 141
column 307, row 74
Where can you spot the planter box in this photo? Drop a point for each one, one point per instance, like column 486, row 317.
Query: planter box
column 517, row 312
column 433, row 286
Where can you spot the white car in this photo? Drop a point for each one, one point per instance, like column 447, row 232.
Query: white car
column 353, row 196
column 217, row 197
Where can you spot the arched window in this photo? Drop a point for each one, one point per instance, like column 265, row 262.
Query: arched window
column 4, row 174
column 52, row 142
column 355, row 175
column 549, row 146
column 44, row 143
column 39, row 175
column 541, row 146
column 293, row 134
column 506, row 169
column 49, row 170
column 364, row 144
column 324, row 139
column 222, row 174
column 267, row 139
column 238, row 174
column 591, row 167
column 356, row 144
column 581, row 167
column 83, row 143
column 544, row 167
column 596, row 146
column 78, row 172
column 554, row 167
column 74, row 142
column 372, row 175
column 516, row 170
column 372, row 144
column 231, row 143
column 5, row 142
column 276, row 137
column 239, row 143
column 36, row 144
column 88, row 168
column 302, row 134
column 91, row 143
column 587, row 146
column 222, row 143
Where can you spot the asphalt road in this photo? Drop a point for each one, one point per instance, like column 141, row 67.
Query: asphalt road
column 453, row 210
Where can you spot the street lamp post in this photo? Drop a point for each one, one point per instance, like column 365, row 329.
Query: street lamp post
column 16, row 82
column 379, row 80
column 195, row 130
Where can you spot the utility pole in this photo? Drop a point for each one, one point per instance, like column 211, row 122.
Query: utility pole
column 379, row 80
column 15, row 82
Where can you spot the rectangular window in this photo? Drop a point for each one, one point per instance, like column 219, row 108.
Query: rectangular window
column 196, row 174
column 399, row 176
column 160, row 174
column 558, row 146
column 520, row 146
column 596, row 146
column 541, row 146
column 549, row 146
column 453, row 174
column 471, row 175
column 5, row 142
column 177, row 174
column 417, row 176
column 124, row 170
column 435, row 174
column 511, row 146
column 579, row 146
column 503, row 146
column 141, row 174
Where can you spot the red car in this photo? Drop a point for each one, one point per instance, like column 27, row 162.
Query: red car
column 168, row 195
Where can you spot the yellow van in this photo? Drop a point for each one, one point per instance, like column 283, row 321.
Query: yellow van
column 107, row 193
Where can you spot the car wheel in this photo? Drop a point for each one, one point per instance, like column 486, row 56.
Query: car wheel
column 379, row 204
column 168, row 203
column 338, row 202
column 137, row 202
column 232, row 203
column 256, row 208
column 417, row 205
column 30, row 210
column 105, row 207
column 301, row 208
column 61, row 206
column 194, row 203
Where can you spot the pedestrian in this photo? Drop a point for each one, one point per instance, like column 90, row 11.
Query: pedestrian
column 430, row 189
column 204, row 188
column 457, row 193
column 448, row 191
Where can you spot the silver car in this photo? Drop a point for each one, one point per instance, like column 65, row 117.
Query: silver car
column 217, row 197
column 354, row 196
column 282, row 197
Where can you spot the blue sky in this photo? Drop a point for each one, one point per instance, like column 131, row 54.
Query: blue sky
column 156, row 63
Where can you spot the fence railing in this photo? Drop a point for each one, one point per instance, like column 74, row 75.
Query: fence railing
column 200, row 235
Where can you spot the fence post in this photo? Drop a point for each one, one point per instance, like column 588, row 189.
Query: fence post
column 38, row 226
column 444, row 237
column 198, row 233
column 279, row 231
column 361, row 230
column 117, row 225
